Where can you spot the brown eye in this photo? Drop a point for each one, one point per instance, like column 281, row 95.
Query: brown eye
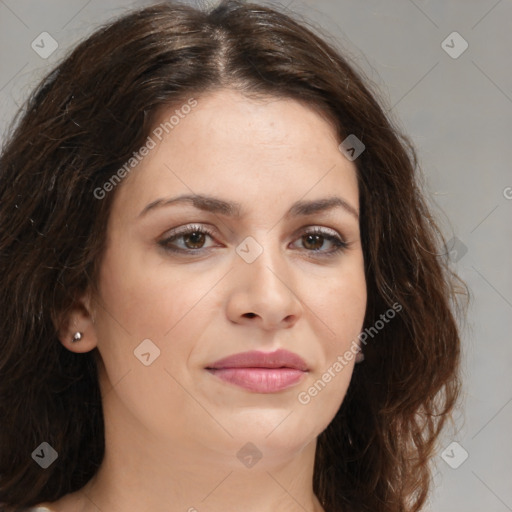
column 314, row 239
column 193, row 238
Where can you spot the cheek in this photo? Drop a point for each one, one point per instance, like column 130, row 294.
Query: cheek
column 341, row 309
column 137, row 305
column 144, row 299
column 341, row 304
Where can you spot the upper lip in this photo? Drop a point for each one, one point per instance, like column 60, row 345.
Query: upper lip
column 255, row 359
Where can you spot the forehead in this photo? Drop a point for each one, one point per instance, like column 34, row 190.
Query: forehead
column 262, row 119
column 265, row 146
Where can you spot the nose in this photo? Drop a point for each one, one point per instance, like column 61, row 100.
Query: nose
column 264, row 292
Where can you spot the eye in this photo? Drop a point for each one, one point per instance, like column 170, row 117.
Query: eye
column 194, row 237
column 313, row 239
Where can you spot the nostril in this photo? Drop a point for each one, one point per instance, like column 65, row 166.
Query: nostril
column 250, row 315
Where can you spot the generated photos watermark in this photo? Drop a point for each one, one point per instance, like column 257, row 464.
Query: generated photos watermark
column 158, row 133
column 304, row 397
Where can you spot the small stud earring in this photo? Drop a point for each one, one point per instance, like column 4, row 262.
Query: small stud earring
column 77, row 336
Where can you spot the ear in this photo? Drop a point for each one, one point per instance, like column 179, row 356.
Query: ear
column 359, row 354
column 79, row 319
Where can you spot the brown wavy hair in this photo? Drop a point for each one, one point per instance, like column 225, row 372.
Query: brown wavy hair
column 84, row 121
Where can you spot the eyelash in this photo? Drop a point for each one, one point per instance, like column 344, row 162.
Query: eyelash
column 339, row 244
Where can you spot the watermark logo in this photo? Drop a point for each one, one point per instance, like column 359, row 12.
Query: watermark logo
column 352, row 147
column 44, row 45
column 249, row 455
column 454, row 45
column 456, row 249
column 45, row 455
column 147, row 352
column 454, row 455
column 249, row 249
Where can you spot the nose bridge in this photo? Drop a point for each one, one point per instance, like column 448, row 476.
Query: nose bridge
column 262, row 257
column 263, row 272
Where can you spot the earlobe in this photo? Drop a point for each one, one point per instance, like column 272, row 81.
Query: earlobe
column 77, row 333
column 359, row 355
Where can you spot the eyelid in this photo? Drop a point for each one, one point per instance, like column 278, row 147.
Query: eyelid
column 184, row 230
column 319, row 229
column 189, row 227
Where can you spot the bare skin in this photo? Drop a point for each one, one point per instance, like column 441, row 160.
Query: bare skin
column 172, row 429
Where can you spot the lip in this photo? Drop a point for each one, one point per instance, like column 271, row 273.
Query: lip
column 256, row 359
column 261, row 372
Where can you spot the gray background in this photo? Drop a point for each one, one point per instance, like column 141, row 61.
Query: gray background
column 458, row 112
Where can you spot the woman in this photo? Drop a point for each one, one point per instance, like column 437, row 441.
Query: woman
column 223, row 286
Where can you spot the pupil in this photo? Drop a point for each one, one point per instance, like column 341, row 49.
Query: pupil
column 196, row 238
column 317, row 237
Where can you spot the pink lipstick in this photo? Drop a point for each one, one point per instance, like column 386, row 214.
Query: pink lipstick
column 261, row 372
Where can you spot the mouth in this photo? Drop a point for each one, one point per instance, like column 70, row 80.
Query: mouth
column 261, row 372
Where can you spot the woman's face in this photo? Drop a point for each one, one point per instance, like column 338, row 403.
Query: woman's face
column 170, row 305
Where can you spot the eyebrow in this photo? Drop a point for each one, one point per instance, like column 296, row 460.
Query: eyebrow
column 234, row 209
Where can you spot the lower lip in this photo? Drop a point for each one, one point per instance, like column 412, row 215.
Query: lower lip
column 260, row 380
